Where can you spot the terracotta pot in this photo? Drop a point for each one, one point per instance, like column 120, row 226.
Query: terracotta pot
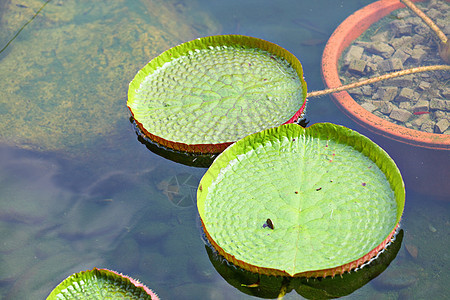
column 342, row 37
column 425, row 167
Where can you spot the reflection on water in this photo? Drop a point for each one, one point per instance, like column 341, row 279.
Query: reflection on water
column 88, row 194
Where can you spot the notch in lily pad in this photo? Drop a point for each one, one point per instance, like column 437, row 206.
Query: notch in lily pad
column 203, row 95
column 101, row 284
column 337, row 224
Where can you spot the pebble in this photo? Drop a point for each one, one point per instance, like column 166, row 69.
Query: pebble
column 400, row 115
column 412, row 250
column 431, row 228
column 441, row 126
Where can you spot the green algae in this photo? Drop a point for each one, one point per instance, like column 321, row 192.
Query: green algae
column 64, row 78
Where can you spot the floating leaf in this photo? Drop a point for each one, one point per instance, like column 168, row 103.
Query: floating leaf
column 334, row 199
column 205, row 94
column 101, row 284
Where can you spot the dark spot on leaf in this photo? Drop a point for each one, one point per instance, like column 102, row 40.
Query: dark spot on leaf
column 363, row 184
column 318, row 189
column 269, row 223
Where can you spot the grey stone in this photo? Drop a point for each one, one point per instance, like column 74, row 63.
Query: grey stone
column 384, row 66
column 439, row 114
column 368, row 106
column 437, row 104
column 378, row 103
column 400, row 115
column 381, row 48
column 401, row 42
column 353, row 53
column 418, row 55
column 376, row 59
column 400, row 28
column 446, row 93
column 400, row 54
column 420, row 120
column 371, row 67
column 388, row 93
column 404, row 81
column 392, row 64
column 428, row 126
column 406, row 94
column 424, row 85
column 421, row 105
column 405, row 105
column 357, row 66
column 367, row 90
column 387, row 107
column 441, row 126
column 355, row 92
column 396, row 64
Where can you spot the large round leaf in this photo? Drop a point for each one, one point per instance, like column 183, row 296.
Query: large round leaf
column 101, row 284
column 205, row 94
column 301, row 202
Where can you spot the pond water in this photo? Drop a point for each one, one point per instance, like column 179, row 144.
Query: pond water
column 78, row 190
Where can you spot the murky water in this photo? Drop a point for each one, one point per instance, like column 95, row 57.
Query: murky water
column 78, row 190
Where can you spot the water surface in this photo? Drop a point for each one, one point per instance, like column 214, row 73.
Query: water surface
column 78, row 190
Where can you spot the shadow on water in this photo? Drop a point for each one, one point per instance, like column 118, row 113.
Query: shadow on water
column 270, row 287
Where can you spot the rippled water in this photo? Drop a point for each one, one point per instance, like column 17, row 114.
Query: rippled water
column 78, row 190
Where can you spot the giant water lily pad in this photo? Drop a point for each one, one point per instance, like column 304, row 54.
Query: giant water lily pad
column 205, row 94
column 101, row 284
column 301, row 202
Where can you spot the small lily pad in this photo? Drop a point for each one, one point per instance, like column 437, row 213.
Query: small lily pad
column 308, row 202
column 101, row 284
column 205, row 94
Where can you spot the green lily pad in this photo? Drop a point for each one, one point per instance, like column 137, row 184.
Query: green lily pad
column 101, row 284
column 301, row 202
column 205, row 94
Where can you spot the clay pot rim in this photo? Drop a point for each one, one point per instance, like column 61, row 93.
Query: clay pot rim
column 342, row 37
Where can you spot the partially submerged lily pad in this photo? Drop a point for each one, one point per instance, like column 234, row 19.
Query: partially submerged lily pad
column 101, row 284
column 205, row 94
column 308, row 202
